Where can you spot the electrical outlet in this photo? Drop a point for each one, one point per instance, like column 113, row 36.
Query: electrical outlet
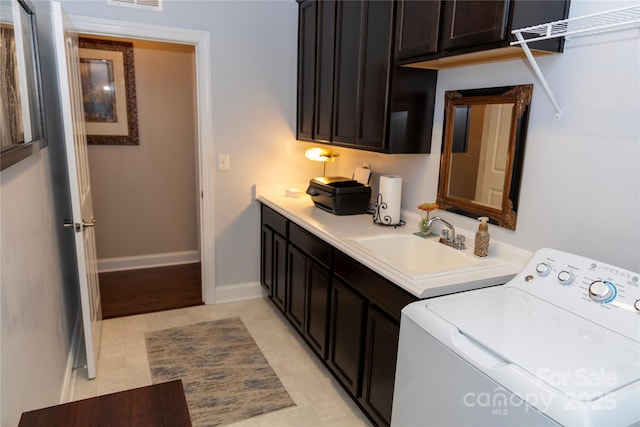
column 224, row 162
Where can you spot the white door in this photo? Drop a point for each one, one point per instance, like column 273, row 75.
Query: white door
column 493, row 155
column 75, row 140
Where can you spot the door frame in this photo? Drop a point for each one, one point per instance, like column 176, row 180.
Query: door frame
column 201, row 40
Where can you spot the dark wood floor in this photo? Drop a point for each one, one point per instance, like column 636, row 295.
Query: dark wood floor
column 146, row 290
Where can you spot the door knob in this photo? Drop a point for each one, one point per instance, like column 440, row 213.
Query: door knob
column 90, row 223
column 70, row 224
column 78, row 227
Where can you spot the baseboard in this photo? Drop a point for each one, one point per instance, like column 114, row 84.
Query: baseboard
column 147, row 261
column 74, row 352
column 228, row 293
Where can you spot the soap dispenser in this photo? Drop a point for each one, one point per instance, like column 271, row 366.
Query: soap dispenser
column 481, row 245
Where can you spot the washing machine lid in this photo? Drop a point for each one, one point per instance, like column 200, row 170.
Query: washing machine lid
column 581, row 359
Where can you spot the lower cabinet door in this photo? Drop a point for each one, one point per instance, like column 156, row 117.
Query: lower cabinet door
column 266, row 259
column 296, row 284
column 278, row 288
column 317, row 313
column 381, row 350
column 346, row 335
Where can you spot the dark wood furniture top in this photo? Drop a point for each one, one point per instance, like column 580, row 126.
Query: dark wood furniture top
column 156, row 405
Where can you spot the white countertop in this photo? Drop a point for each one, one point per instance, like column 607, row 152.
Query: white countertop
column 337, row 230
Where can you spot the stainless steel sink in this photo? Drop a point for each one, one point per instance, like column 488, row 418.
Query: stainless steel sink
column 420, row 257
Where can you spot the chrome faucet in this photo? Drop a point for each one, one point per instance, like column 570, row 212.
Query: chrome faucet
column 448, row 235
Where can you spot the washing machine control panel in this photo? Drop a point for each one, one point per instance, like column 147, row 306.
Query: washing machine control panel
column 600, row 292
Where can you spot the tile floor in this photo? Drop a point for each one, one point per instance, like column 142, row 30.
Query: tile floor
column 320, row 400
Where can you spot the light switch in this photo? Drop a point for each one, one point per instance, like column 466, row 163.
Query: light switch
column 224, row 162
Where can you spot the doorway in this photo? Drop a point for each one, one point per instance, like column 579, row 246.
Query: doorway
column 145, row 195
column 200, row 40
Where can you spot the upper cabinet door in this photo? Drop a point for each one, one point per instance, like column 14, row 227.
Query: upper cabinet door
column 362, row 72
column 375, row 73
column 306, row 69
column 325, row 40
column 469, row 23
column 347, row 71
column 350, row 93
column 417, row 28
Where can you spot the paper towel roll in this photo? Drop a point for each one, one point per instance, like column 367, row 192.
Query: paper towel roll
column 391, row 190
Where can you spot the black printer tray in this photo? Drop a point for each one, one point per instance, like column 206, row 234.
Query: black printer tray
column 339, row 195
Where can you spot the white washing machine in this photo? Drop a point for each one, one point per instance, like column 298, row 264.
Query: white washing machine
column 559, row 344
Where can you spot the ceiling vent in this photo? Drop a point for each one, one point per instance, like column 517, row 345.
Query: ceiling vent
column 139, row 4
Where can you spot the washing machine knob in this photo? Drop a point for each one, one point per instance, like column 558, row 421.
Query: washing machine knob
column 543, row 269
column 602, row 291
column 566, row 277
column 636, row 305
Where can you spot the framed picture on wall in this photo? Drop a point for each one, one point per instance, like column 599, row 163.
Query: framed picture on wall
column 22, row 130
column 107, row 73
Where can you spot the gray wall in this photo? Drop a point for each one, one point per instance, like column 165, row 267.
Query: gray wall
column 39, row 298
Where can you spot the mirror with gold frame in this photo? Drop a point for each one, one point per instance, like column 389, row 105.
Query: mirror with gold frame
column 482, row 152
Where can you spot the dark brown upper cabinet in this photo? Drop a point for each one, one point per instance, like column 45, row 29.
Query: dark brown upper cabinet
column 350, row 91
column 347, row 70
column 363, row 71
column 316, row 38
column 306, row 69
column 465, row 32
column 417, row 28
column 472, row 23
column 323, row 116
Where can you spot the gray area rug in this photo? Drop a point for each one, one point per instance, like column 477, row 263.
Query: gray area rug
column 226, row 377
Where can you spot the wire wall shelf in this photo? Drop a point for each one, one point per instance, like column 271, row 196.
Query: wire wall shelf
column 612, row 20
column 617, row 19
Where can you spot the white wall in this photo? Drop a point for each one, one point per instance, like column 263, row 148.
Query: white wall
column 581, row 183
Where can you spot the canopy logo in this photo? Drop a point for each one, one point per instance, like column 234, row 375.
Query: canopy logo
column 500, row 401
column 581, row 389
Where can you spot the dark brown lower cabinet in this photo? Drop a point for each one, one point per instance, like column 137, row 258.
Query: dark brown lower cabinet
column 373, row 328
column 346, row 328
column 347, row 313
column 317, row 307
column 274, row 257
column 266, row 259
column 307, row 306
column 278, row 290
column 296, row 284
column 381, row 351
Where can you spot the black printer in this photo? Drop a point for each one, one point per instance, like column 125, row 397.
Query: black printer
column 339, row 195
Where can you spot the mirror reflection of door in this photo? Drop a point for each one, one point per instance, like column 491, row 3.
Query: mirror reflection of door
column 480, row 152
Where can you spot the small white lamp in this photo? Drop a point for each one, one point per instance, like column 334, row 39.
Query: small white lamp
column 321, row 155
